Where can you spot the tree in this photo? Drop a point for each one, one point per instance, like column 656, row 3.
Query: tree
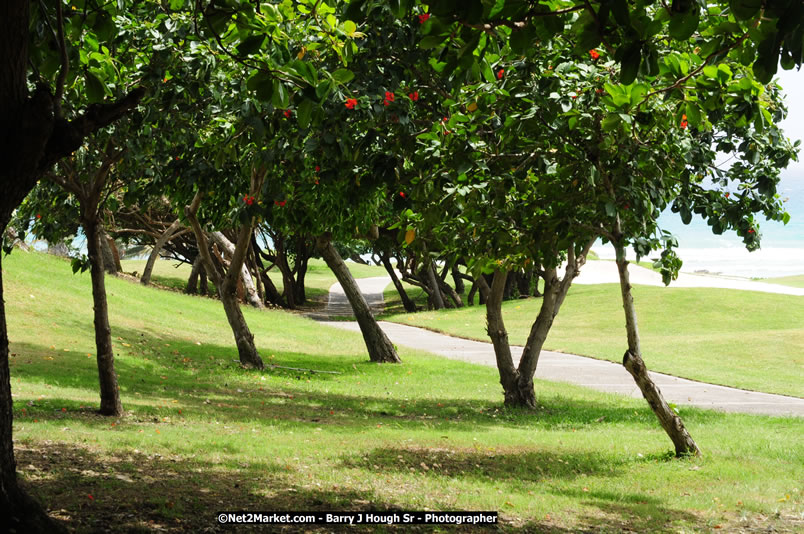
column 36, row 131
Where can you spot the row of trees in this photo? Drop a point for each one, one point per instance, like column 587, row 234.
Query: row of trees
column 501, row 139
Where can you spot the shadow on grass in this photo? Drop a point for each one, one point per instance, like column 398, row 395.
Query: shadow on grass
column 207, row 379
column 134, row 492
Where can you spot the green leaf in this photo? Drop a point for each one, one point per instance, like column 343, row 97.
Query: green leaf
column 683, row 25
column 262, row 84
column 280, row 96
column 629, row 68
column 343, row 75
column 305, row 110
column 431, row 41
column 250, row 45
column 610, row 122
column 95, row 88
column 693, row 114
column 745, row 9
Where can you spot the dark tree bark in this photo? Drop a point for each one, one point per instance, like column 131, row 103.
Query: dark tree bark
column 109, row 393
column 227, row 283
column 109, row 264
column 633, row 362
column 145, row 279
column 192, row 280
column 457, row 277
column 445, row 289
column 30, row 142
column 380, row 348
column 432, row 282
column 517, row 381
column 409, row 305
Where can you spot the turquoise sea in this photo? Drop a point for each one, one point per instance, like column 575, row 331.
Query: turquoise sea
column 782, row 252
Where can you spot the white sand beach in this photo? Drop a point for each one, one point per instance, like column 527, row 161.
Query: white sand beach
column 605, row 272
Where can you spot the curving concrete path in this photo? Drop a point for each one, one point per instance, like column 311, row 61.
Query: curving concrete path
column 561, row 367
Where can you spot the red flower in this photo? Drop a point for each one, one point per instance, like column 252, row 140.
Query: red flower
column 727, row 195
column 280, row 204
column 402, row 194
column 248, row 200
column 445, row 119
column 90, row 497
column 750, row 230
column 316, row 182
column 317, row 168
column 594, row 53
column 351, row 103
column 683, row 124
column 500, row 74
column 414, row 95
column 38, row 216
column 389, row 97
column 627, row 206
column 573, row 96
column 423, row 18
column 288, row 113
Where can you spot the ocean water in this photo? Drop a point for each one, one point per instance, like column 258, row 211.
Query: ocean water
column 782, row 252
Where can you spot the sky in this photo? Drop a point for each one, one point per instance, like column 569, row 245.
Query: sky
column 792, row 81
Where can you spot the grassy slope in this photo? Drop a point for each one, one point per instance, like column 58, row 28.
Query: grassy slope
column 318, row 280
column 795, row 281
column 736, row 338
column 202, row 435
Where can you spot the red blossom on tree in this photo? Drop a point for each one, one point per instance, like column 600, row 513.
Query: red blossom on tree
column 280, row 203
column 500, row 74
column 248, row 200
column 317, row 168
column 423, row 18
column 288, row 113
column 351, row 103
column 389, row 97
column 414, row 95
column 594, row 53
column 683, row 124
column 727, row 195
column 402, row 194
column 38, row 216
column 750, row 230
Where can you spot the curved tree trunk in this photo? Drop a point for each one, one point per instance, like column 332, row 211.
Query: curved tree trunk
column 251, row 295
column 633, row 362
column 409, row 305
column 29, row 145
column 509, row 374
column 109, row 392
column 227, row 284
column 160, row 243
column 192, row 280
column 380, row 348
column 109, row 263
column 432, row 283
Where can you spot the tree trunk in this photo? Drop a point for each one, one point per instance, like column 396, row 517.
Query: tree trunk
column 409, row 305
column 109, row 392
column 251, row 295
column 633, row 362
column 380, row 348
column 451, row 293
column 192, row 280
column 203, row 282
column 227, row 284
column 29, row 144
column 432, row 283
column 458, row 278
column 160, row 243
column 509, row 374
column 109, row 264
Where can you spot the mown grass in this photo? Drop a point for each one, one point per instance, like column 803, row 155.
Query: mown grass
column 794, row 281
column 743, row 339
column 318, row 280
column 202, row 435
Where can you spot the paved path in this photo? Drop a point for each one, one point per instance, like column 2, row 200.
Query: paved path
column 589, row 372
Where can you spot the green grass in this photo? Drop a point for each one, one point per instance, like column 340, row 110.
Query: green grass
column 795, row 281
column 736, row 338
column 202, row 435
column 318, row 280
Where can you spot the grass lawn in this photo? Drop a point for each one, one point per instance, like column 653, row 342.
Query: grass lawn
column 202, row 435
column 743, row 339
column 795, row 281
column 319, row 278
